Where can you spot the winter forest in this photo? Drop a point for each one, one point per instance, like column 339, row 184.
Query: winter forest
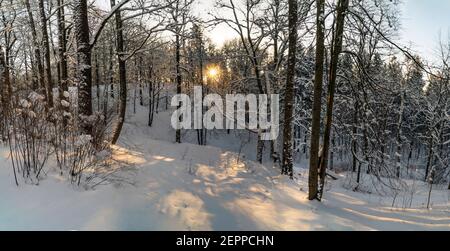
column 89, row 88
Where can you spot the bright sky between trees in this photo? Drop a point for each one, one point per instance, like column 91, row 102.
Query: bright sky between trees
column 422, row 22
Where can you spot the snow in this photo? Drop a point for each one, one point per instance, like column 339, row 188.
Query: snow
column 65, row 103
column 24, row 103
column 83, row 140
column 160, row 185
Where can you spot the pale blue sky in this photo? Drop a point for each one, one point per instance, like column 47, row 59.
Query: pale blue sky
column 422, row 21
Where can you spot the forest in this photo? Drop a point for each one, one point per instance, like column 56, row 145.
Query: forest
column 88, row 89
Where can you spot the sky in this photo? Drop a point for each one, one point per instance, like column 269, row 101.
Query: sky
column 421, row 23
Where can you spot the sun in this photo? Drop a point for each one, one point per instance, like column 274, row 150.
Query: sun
column 213, row 72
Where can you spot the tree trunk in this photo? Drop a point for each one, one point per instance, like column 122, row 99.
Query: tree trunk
column 84, row 63
column 62, row 45
column 259, row 148
column 430, row 156
column 48, row 69
column 333, row 146
column 178, row 78
column 4, row 81
column 337, row 48
column 151, row 101
column 316, row 110
column 111, row 71
column 97, row 80
column 157, row 95
column 287, row 166
column 122, row 77
column 355, row 131
column 201, row 134
column 398, row 154
column 36, row 46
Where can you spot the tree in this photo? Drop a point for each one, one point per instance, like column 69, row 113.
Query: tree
column 123, row 56
column 122, row 76
column 84, row 47
column 10, row 39
column 336, row 51
column 246, row 22
column 4, row 81
column 36, row 46
column 179, row 13
column 62, row 45
column 48, row 69
column 84, row 67
column 287, row 167
column 317, row 104
column 198, row 45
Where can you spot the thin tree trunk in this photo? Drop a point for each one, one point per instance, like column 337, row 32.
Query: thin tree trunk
column 48, row 69
column 111, row 73
column 430, row 157
column 150, row 97
column 201, row 132
column 122, row 77
column 62, row 41
column 158, row 96
column 178, row 78
column 97, row 80
column 398, row 154
column 333, row 145
column 141, row 94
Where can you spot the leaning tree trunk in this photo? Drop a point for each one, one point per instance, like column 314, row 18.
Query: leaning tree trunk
column 48, row 69
column 122, row 78
column 287, row 167
column 84, row 63
column 337, row 48
column 317, row 104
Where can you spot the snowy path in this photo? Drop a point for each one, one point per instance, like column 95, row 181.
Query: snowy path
column 190, row 187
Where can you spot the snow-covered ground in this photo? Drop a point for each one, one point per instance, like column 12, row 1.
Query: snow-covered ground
column 165, row 186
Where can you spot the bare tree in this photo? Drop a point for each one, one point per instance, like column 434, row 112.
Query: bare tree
column 180, row 17
column 336, row 51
